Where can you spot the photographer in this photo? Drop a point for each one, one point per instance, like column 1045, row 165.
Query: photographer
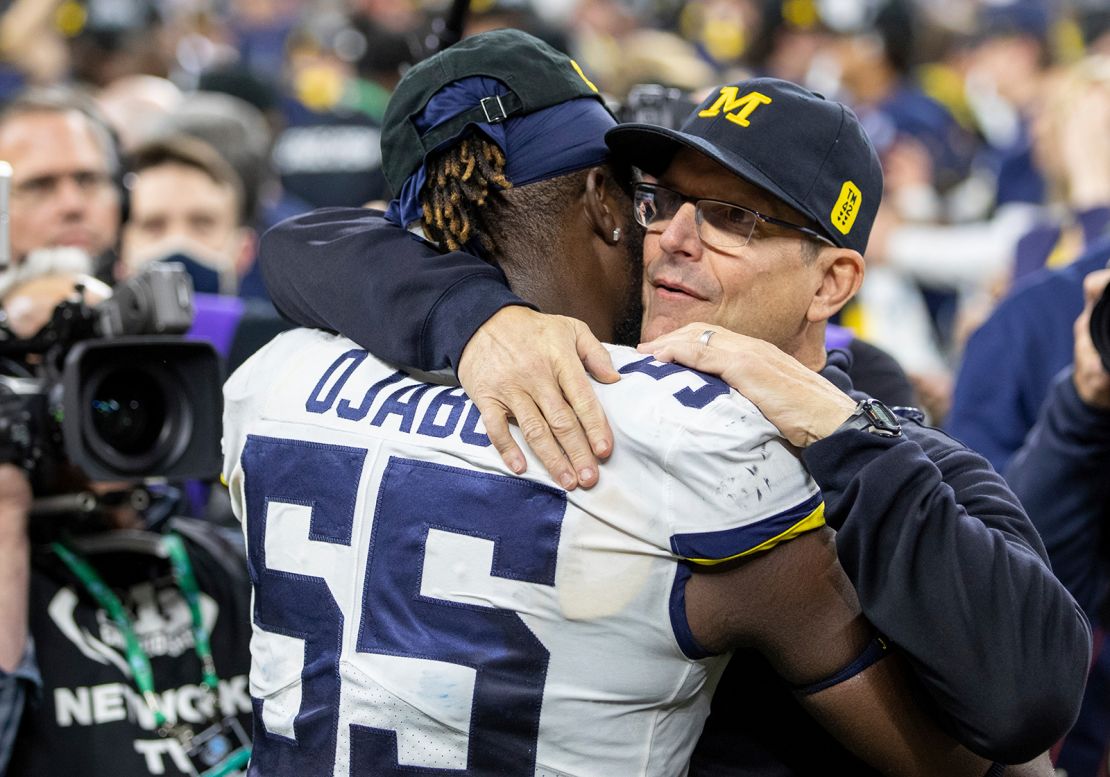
column 123, row 633
column 1060, row 475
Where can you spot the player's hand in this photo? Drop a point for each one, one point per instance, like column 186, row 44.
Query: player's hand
column 1092, row 382
column 529, row 366
column 802, row 405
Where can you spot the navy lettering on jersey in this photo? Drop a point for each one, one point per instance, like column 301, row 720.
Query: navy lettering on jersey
column 344, row 410
column 406, row 409
column 404, row 403
column 694, row 398
column 521, row 518
column 324, row 477
column 352, row 359
column 449, row 397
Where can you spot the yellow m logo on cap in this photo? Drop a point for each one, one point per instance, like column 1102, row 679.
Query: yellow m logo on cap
column 737, row 109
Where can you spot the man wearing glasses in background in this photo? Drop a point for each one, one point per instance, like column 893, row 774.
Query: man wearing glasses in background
column 63, row 190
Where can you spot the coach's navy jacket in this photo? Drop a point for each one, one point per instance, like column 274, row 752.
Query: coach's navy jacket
column 945, row 560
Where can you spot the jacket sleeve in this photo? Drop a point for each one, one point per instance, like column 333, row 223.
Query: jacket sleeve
column 350, row 270
column 947, row 564
column 1060, row 475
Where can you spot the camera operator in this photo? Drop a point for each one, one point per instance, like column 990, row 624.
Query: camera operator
column 1060, row 475
column 123, row 633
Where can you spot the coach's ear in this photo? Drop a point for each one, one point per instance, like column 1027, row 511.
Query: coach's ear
column 600, row 203
column 839, row 274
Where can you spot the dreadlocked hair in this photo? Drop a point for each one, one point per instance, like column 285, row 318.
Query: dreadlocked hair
column 457, row 189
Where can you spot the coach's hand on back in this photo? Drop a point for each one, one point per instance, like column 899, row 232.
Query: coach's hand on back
column 803, row 406
column 529, row 366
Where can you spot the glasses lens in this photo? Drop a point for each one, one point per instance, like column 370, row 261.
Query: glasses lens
column 644, row 206
column 724, row 225
column 655, row 203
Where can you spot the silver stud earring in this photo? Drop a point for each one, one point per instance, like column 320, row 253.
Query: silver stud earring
column 617, row 235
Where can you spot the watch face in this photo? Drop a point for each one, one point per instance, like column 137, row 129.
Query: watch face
column 881, row 416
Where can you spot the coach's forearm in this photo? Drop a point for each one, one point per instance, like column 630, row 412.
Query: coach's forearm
column 946, row 563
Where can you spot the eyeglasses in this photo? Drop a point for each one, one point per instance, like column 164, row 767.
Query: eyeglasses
column 719, row 224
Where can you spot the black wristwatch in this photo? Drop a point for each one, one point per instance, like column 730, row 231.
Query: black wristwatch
column 873, row 416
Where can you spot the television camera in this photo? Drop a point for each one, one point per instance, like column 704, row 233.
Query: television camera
column 113, row 388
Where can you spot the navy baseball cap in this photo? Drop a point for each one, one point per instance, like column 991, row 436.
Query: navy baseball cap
column 535, row 75
column 807, row 151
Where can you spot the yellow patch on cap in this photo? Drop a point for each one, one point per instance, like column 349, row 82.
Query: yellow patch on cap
column 582, row 75
column 847, row 206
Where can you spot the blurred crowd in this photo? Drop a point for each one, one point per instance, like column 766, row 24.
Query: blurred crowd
column 990, row 117
column 186, row 128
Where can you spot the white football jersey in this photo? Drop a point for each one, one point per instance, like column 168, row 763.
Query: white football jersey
column 419, row 610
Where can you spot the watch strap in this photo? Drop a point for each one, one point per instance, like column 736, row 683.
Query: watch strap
column 874, row 417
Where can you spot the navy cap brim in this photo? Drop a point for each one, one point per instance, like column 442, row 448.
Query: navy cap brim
column 652, row 148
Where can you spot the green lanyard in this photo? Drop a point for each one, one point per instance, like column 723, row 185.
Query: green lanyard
column 136, row 657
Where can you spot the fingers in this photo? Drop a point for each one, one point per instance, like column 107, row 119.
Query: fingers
column 528, row 366
column 1094, row 285
column 693, row 333
column 541, row 424
column 588, row 415
column 695, row 353
column 551, row 429
column 595, row 357
column 536, row 431
column 661, row 353
column 496, row 420
column 1092, row 382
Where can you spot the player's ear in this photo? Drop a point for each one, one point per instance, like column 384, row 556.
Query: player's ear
column 599, row 202
column 839, row 276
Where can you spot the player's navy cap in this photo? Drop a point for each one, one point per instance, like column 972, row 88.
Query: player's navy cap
column 536, row 75
column 807, row 151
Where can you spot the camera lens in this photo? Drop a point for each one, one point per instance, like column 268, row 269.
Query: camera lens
column 129, row 411
column 141, row 407
column 136, row 415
